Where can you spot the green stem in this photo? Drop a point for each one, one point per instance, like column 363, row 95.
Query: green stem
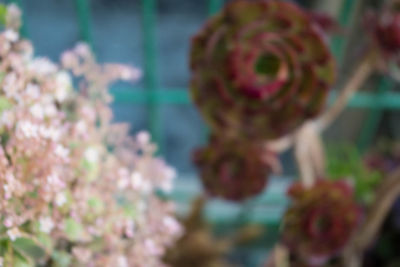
column 9, row 258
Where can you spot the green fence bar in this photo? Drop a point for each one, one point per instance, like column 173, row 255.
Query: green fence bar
column 162, row 96
column 388, row 100
column 180, row 96
column 148, row 13
column 84, row 18
column 214, row 6
column 346, row 15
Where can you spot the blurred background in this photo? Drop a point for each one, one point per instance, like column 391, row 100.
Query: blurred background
column 154, row 35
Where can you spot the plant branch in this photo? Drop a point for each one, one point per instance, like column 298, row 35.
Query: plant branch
column 363, row 71
column 363, row 237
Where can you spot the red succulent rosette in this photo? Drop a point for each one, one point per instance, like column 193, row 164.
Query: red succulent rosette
column 385, row 28
column 260, row 68
column 232, row 170
column 320, row 220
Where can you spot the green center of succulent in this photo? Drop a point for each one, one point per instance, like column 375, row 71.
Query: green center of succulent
column 267, row 64
column 321, row 225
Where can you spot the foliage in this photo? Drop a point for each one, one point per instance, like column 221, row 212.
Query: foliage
column 344, row 161
column 232, row 170
column 260, row 69
column 320, row 220
column 76, row 189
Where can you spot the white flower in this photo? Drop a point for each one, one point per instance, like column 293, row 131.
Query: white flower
column 129, row 228
column 42, row 66
column 63, row 81
column 81, row 126
column 89, row 113
column 137, row 180
column 61, row 151
column 13, row 233
column 122, row 261
column 11, row 35
column 152, row 247
column 91, row 155
column 33, row 90
column 50, row 133
column 9, row 84
column 143, row 138
column 123, row 183
column 172, row 225
column 50, row 110
column 46, row 225
column 8, row 222
column 37, row 111
column 130, row 74
column 27, row 129
column 169, row 175
column 61, row 199
column 7, row 191
column 82, row 49
column 54, row 180
column 7, row 118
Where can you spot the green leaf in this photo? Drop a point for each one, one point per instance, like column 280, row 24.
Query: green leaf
column 3, row 246
column 130, row 211
column 21, row 260
column 3, row 14
column 61, row 259
column 46, row 241
column 344, row 161
column 92, row 169
column 73, row 229
column 96, row 204
column 4, row 104
column 29, row 248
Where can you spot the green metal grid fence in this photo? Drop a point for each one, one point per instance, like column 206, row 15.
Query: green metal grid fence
column 154, row 95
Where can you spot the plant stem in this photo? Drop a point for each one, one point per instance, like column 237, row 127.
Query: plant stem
column 362, row 73
column 387, row 194
column 9, row 259
column 309, row 154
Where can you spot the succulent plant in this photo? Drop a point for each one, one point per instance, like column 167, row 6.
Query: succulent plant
column 385, row 27
column 260, row 68
column 321, row 219
column 232, row 170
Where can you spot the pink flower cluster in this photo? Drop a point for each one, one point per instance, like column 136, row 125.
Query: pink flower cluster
column 71, row 180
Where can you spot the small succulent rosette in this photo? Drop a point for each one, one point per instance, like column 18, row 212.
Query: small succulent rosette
column 384, row 28
column 233, row 170
column 320, row 220
column 260, row 69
